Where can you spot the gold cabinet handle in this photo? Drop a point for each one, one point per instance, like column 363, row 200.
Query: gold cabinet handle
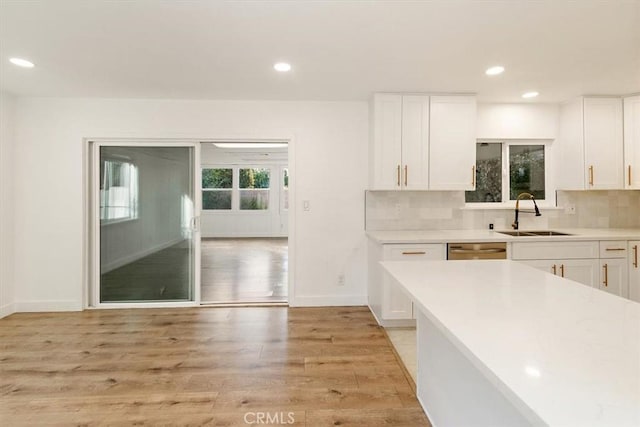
column 635, row 256
column 553, row 269
column 398, row 175
column 414, row 253
column 473, row 176
column 629, row 175
column 606, row 275
column 562, row 270
column 406, row 175
column 591, row 175
column 615, row 249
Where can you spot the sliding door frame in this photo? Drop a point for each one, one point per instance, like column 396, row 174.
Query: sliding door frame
column 92, row 297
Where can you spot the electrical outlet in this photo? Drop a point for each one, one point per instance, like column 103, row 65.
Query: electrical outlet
column 398, row 210
column 306, row 205
column 570, row 209
column 341, row 280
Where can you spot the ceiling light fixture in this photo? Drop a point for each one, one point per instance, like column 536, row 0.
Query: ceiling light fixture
column 283, row 67
column 494, row 71
column 532, row 371
column 528, row 95
column 21, row 62
column 250, row 144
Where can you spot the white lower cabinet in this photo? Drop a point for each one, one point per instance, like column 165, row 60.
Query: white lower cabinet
column 613, row 276
column 614, row 271
column 574, row 260
column 583, row 271
column 606, row 265
column 389, row 304
column 634, row 270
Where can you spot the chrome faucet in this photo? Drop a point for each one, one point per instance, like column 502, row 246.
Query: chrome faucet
column 522, row 196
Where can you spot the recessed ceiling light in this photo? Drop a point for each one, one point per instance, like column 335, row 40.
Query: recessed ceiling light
column 250, row 144
column 21, row 62
column 494, row 71
column 530, row 94
column 532, row 371
column 283, row 67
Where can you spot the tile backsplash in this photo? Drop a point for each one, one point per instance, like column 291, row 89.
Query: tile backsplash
column 445, row 210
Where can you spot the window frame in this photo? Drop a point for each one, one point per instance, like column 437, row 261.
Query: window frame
column 549, row 200
column 203, row 189
column 275, row 192
column 269, row 190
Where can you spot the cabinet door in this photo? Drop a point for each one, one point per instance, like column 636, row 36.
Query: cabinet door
column 603, row 143
column 415, row 142
column 634, row 270
column 452, row 143
column 569, row 172
column 614, row 276
column 584, row 271
column 632, row 142
column 385, row 162
column 396, row 304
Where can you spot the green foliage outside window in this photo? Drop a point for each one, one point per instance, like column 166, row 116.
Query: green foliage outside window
column 217, row 178
column 254, row 185
column 526, row 170
column 254, row 178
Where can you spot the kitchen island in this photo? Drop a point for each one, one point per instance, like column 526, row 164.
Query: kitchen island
column 503, row 344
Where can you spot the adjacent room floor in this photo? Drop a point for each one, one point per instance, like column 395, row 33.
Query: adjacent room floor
column 244, row 270
column 250, row 270
column 202, row 366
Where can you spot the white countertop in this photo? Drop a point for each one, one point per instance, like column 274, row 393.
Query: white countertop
column 565, row 352
column 462, row 236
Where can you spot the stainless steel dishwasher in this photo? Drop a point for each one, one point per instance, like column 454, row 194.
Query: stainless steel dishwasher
column 494, row 250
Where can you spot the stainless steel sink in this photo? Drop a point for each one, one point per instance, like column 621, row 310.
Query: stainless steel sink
column 533, row 233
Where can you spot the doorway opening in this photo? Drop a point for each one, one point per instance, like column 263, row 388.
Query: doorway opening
column 244, row 222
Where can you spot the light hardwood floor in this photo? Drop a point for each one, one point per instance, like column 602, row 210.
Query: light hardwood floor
column 244, row 270
column 202, row 366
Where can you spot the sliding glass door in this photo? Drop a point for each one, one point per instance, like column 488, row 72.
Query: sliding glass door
column 146, row 223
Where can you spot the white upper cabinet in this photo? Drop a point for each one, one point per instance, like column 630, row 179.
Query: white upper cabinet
column 603, row 143
column 452, row 143
column 415, row 142
column 386, row 151
column 632, row 142
column 423, row 142
column 590, row 148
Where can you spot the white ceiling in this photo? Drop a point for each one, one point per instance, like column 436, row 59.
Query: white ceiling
column 340, row 50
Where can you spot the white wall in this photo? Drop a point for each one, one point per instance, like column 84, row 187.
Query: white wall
column 7, row 106
column 163, row 181
column 518, row 121
column 328, row 166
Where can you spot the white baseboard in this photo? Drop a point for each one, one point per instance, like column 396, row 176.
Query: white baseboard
column 47, row 305
column 138, row 255
column 328, row 301
column 7, row 309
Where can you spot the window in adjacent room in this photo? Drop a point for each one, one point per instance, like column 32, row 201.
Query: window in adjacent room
column 217, row 186
column 254, row 188
column 118, row 191
column 504, row 170
column 285, row 188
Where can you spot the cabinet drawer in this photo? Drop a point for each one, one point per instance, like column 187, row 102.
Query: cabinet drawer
column 554, row 250
column 613, row 249
column 414, row 252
